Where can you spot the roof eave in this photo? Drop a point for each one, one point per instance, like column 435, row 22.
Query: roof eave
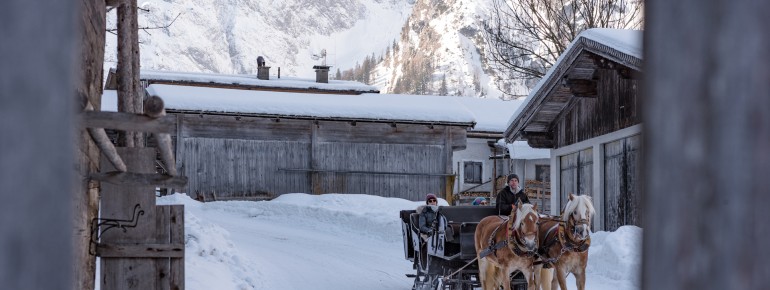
column 513, row 132
column 317, row 118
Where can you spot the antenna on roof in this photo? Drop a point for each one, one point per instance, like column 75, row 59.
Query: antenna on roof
column 322, row 54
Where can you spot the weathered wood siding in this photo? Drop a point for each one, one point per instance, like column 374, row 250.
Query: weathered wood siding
column 236, row 156
column 222, row 168
column 615, row 108
column 622, row 195
column 86, row 203
column 372, row 157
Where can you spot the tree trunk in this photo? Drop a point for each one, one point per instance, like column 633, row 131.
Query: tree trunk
column 125, row 71
column 138, row 91
column 707, row 133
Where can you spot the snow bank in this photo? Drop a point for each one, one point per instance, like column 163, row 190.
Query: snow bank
column 617, row 255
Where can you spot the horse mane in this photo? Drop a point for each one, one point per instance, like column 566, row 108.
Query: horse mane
column 521, row 212
column 580, row 203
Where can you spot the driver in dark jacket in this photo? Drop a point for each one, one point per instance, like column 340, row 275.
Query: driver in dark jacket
column 509, row 195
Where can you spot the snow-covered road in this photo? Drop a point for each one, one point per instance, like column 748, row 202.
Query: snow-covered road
column 336, row 241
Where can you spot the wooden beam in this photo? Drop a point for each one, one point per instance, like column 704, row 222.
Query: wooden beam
column 140, row 250
column 539, row 140
column 154, row 108
column 103, row 142
column 108, row 149
column 582, row 88
column 149, row 179
column 128, row 122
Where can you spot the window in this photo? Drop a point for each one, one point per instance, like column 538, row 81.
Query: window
column 472, row 172
column 576, row 174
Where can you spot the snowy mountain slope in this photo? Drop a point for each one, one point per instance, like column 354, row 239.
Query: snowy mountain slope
column 227, row 36
column 443, row 39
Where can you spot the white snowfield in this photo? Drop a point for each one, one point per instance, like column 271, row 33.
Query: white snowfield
column 338, row 241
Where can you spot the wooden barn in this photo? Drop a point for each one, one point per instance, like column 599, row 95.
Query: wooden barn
column 244, row 143
column 586, row 109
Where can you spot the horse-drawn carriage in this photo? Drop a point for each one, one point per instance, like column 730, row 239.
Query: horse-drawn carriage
column 447, row 259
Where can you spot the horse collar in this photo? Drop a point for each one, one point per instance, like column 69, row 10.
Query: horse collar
column 569, row 243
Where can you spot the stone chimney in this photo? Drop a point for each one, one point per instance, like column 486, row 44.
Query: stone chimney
column 321, row 73
column 263, row 72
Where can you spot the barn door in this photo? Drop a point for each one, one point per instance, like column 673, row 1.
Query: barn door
column 576, row 175
column 621, row 187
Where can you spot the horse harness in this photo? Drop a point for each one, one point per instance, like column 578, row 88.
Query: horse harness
column 516, row 240
column 564, row 238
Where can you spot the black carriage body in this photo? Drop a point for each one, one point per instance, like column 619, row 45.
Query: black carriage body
column 459, row 250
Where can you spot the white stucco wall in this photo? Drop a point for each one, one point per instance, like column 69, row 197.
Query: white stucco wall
column 476, row 150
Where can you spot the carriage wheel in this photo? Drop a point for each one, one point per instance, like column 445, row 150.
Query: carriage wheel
column 518, row 281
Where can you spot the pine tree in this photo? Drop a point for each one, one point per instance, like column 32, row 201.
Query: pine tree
column 443, row 90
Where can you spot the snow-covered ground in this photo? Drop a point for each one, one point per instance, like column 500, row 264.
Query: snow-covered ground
column 338, row 241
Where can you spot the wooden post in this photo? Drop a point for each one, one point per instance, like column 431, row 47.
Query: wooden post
column 38, row 43
column 85, row 198
column 706, row 141
column 118, row 202
column 180, row 148
column 315, row 177
column 448, row 182
column 154, row 108
column 137, row 91
column 126, row 89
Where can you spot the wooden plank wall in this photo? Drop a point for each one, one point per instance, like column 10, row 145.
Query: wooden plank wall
column 223, row 168
column 407, row 158
column 228, row 157
column 615, row 108
column 92, row 23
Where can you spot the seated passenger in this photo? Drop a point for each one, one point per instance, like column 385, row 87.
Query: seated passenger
column 480, row 201
column 428, row 214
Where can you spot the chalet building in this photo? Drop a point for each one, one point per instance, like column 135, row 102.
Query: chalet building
column 239, row 137
column 482, row 166
column 586, row 110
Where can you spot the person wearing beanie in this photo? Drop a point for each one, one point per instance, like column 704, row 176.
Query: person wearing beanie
column 480, row 201
column 510, row 195
column 428, row 213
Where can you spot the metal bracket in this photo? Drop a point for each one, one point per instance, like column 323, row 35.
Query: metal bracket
column 108, row 224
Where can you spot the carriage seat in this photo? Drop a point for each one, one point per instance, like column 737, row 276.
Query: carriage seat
column 414, row 221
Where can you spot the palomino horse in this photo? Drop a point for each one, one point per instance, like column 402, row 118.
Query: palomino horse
column 564, row 244
column 505, row 245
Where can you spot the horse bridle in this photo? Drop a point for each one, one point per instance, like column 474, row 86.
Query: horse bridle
column 515, row 237
column 575, row 224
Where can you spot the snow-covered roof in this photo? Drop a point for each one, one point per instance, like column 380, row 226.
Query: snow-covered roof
column 173, row 77
column 621, row 45
column 491, row 114
column 371, row 107
column 522, row 150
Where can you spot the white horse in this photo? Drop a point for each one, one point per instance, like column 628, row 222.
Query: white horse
column 564, row 244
